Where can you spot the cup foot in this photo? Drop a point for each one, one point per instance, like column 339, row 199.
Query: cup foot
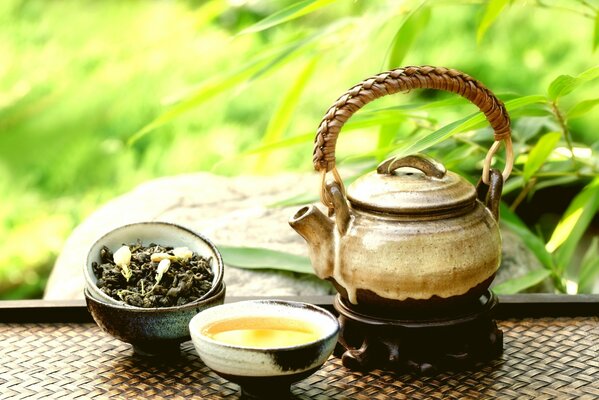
column 267, row 387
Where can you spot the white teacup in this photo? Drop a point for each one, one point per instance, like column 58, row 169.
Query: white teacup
column 260, row 367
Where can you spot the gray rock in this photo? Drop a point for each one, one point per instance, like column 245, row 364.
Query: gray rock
column 229, row 211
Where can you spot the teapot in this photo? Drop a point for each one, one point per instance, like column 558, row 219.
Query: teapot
column 411, row 232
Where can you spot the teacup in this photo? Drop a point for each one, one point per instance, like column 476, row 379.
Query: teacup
column 264, row 345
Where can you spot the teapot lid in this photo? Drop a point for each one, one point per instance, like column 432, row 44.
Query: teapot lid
column 414, row 184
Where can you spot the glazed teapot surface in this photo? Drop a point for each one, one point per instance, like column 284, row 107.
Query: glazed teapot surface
column 409, row 232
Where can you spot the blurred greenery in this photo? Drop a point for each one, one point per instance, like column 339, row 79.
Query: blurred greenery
column 98, row 96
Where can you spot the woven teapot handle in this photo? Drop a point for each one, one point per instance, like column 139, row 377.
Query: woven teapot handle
column 403, row 80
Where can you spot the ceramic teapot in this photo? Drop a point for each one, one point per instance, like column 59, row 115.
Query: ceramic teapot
column 409, row 232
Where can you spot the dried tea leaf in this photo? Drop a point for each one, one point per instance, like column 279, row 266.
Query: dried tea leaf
column 165, row 281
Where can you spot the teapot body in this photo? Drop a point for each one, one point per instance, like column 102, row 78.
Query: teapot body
column 387, row 260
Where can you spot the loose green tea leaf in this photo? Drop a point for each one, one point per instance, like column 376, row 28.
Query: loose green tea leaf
column 167, row 281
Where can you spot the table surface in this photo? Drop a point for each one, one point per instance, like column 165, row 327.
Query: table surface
column 544, row 358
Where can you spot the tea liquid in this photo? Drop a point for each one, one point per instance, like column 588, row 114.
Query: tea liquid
column 262, row 332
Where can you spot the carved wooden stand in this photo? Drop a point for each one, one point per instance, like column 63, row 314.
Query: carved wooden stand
column 441, row 340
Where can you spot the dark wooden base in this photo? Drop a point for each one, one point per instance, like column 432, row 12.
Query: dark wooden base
column 452, row 340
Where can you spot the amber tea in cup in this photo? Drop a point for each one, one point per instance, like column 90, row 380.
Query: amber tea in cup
column 262, row 332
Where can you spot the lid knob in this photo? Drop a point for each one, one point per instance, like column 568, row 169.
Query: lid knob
column 429, row 166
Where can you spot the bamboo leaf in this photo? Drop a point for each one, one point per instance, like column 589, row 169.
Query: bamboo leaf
column 589, row 267
column 407, row 33
column 387, row 134
column 492, row 11
column 259, row 258
column 515, row 182
column 453, row 101
column 440, row 135
column 561, row 86
column 209, row 11
column 566, row 84
column 220, row 84
column 204, row 92
column 468, row 123
column 291, row 50
column 311, row 197
column 523, row 282
column 535, row 110
column 527, row 127
column 289, row 13
column 299, row 199
column 360, row 121
column 283, row 143
column 376, row 154
column 582, row 108
column 589, row 74
column 574, row 222
column 559, row 181
column 282, row 116
column 520, row 102
column 510, row 99
column 390, row 115
column 539, row 153
column 381, row 117
column 511, row 221
column 259, row 66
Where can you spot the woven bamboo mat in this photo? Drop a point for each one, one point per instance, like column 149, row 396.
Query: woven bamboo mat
column 549, row 358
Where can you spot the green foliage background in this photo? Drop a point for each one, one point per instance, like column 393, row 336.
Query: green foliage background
column 98, row 96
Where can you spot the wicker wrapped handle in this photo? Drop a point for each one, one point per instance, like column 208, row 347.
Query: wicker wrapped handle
column 402, row 80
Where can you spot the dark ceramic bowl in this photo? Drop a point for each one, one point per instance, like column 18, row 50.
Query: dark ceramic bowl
column 163, row 233
column 265, row 372
column 151, row 331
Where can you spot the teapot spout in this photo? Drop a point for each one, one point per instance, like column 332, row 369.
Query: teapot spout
column 317, row 230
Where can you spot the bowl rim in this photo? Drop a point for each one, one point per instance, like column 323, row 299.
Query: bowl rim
column 87, row 273
column 127, row 307
column 275, row 302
